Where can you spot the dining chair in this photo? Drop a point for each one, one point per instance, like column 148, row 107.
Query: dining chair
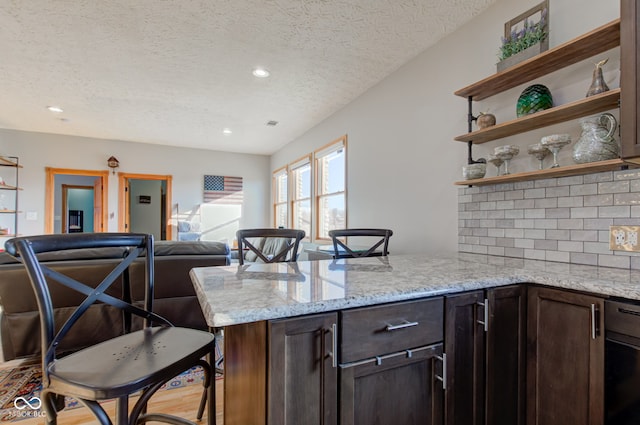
column 148, row 353
column 342, row 250
column 269, row 245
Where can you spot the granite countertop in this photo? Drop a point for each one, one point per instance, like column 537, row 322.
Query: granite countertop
column 241, row 294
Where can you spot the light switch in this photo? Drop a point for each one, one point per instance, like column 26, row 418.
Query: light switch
column 32, row 215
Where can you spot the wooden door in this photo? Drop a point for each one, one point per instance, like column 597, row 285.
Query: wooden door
column 565, row 358
column 629, row 81
column 399, row 390
column 505, row 372
column 464, row 347
column 302, row 376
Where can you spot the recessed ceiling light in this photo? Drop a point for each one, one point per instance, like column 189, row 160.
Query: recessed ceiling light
column 261, row 72
column 55, row 109
column 227, row 131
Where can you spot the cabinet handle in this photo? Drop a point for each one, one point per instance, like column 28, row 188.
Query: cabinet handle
column 627, row 311
column 485, row 321
column 402, row 325
column 334, row 345
column 443, row 378
column 594, row 320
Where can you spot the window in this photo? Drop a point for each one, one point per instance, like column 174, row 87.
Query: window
column 331, row 204
column 280, row 210
column 300, row 173
column 310, row 193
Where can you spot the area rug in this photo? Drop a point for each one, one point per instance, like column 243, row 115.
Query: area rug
column 20, row 388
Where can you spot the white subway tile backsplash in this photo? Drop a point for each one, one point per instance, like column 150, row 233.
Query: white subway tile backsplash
column 614, row 187
column 582, row 258
column 597, row 248
column 495, row 196
column 614, row 261
column 514, row 194
column 570, row 181
column 514, row 214
column 570, row 246
column 583, row 189
column 584, row 235
column 598, row 200
column 571, row 201
column 535, row 233
column 584, row 212
column 534, row 213
column 563, row 257
column 565, row 220
column 534, row 193
column 626, row 199
column 605, row 176
column 570, row 223
column 615, row 211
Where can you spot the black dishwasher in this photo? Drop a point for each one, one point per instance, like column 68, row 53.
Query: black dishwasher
column 622, row 363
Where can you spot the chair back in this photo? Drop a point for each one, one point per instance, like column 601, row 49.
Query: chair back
column 269, row 245
column 27, row 250
column 379, row 248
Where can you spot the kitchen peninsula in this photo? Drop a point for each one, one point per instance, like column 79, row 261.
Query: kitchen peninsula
column 318, row 341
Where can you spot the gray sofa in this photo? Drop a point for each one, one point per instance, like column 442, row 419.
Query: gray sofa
column 175, row 297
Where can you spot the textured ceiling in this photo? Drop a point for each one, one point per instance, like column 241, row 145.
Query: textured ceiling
column 177, row 72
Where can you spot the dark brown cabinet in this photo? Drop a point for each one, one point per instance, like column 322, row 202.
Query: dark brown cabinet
column 565, row 358
column 485, row 335
column 629, row 81
column 391, row 364
column 302, row 373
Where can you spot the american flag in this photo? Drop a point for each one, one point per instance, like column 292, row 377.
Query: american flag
column 222, row 190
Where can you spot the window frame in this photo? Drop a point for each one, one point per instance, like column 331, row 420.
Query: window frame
column 275, row 190
column 292, row 168
column 319, row 154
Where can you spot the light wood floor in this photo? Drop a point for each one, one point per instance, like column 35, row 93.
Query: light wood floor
column 181, row 402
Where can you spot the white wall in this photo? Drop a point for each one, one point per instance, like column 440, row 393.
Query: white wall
column 186, row 166
column 402, row 160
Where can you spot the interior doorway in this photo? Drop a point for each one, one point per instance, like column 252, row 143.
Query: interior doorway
column 77, row 209
column 56, row 211
column 145, row 204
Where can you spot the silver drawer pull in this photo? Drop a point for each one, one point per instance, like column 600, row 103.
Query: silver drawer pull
column 402, row 325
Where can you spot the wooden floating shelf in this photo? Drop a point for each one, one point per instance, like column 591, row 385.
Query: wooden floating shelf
column 580, row 108
column 569, row 170
column 8, row 211
column 590, row 44
column 5, row 162
column 7, row 187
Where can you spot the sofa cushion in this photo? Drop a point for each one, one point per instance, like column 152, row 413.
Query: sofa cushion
column 250, row 255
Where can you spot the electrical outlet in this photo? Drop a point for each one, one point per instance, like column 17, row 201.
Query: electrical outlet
column 624, row 238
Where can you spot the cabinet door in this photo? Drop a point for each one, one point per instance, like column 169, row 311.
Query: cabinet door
column 400, row 390
column 302, row 379
column 506, row 355
column 565, row 359
column 465, row 353
column 629, row 81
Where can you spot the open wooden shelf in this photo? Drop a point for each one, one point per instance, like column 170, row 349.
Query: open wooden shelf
column 587, row 106
column 590, row 44
column 7, row 187
column 569, row 170
column 6, row 162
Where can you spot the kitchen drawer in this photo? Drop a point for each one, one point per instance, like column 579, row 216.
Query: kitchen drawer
column 373, row 331
column 623, row 318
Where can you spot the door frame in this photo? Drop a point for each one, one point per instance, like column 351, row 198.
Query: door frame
column 49, row 197
column 123, row 199
column 65, row 210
